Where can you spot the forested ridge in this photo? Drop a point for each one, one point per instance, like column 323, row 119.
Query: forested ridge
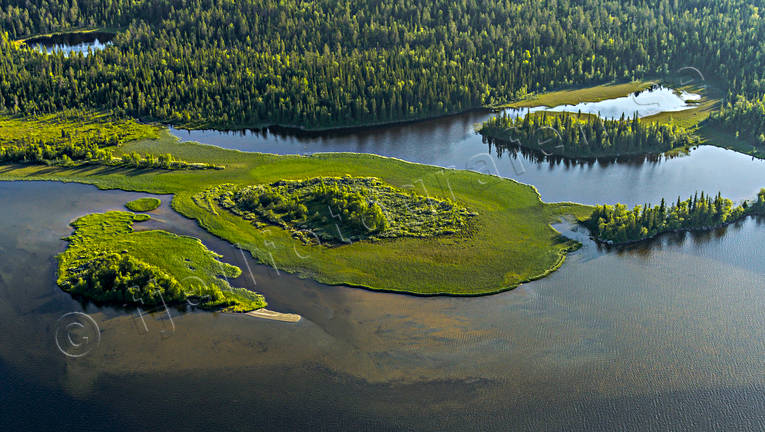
column 585, row 135
column 329, row 63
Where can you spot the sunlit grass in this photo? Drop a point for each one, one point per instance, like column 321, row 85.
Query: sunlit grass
column 510, row 240
column 144, row 204
column 183, row 259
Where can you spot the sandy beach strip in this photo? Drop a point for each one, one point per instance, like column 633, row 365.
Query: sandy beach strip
column 275, row 316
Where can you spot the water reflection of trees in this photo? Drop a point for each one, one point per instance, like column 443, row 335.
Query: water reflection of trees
column 514, row 149
column 679, row 239
column 70, row 39
column 448, row 127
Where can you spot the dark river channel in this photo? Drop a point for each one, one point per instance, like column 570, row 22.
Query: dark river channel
column 668, row 335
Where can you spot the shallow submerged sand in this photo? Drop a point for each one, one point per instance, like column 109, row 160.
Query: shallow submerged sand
column 275, row 316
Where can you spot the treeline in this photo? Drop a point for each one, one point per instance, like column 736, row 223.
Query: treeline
column 243, row 63
column 585, row 135
column 617, row 224
column 745, row 117
column 73, row 153
column 74, row 137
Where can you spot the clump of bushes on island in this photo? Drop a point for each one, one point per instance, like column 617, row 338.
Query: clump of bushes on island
column 617, row 224
column 336, row 210
column 107, row 262
column 585, row 135
column 116, row 278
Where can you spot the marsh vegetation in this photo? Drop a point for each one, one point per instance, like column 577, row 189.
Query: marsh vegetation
column 74, row 137
column 337, row 210
column 144, row 204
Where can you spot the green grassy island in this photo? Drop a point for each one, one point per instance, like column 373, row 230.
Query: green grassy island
column 144, row 204
column 107, row 262
column 576, row 135
column 618, row 225
column 504, row 239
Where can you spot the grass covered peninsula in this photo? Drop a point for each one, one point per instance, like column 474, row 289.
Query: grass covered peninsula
column 507, row 241
column 108, row 262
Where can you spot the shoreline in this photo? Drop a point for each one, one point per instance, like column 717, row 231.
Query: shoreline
column 611, row 243
column 485, row 109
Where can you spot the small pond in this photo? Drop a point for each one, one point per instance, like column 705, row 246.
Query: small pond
column 71, row 43
column 655, row 100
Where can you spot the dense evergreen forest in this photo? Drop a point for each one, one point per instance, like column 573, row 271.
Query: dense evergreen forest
column 617, row 224
column 585, row 135
column 327, row 63
column 745, row 117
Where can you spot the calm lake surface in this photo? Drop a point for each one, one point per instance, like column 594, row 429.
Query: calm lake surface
column 645, row 103
column 71, row 49
column 451, row 142
column 72, row 43
column 669, row 336
column 664, row 336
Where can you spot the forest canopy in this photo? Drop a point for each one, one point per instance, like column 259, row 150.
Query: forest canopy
column 235, row 64
column 585, row 135
column 618, row 224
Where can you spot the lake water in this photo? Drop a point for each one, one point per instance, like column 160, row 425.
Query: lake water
column 645, row 103
column 452, row 142
column 663, row 337
column 72, row 49
column 72, row 43
column 668, row 335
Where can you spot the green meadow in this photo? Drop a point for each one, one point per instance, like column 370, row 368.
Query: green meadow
column 509, row 241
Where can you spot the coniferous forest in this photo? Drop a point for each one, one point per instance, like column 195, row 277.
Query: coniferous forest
column 233, row 64
column 618, row 224
column 745, row 117
column 585, row 135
